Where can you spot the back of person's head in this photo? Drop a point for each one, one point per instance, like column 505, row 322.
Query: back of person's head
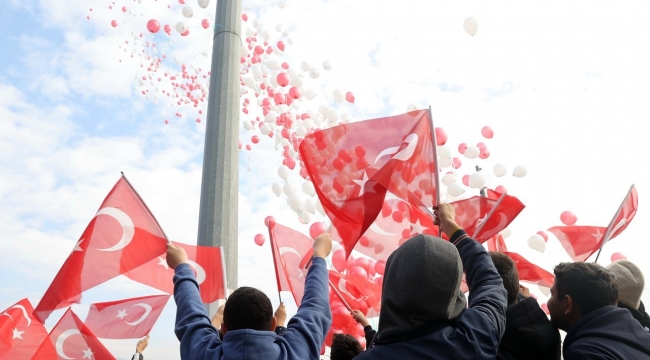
column 508, row 270
column 589, row 285
column 629, row 279
column 344, row 347
column 248, row 308
column 421, row 285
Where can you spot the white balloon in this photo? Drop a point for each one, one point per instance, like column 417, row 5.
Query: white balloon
column 500, row 170
column 544, row 290
column 310, row 206
column 282, row 4
column 277, row 188
column 327, row 66
column 470, row 25
column 310, row 94
column 455, row 190
column 296, row 81
column 278, row 28
column 288, row 189
column 203, row 3
column 187, row 11
column 308, row 188
column 536, row 242
column 305, row 66
column 448, row 179
column 273, row 64
column 249, row 167
column 320, row 209
column 411, row 107
column 519, row 171
column 271, row 117
column 444, row 163
column 296, row 201
column 444, row 152
column 338, row 96
column 265, row 129
column 304, row 217
column 301, row 131
column 284, row 171
column 314, row 73
column 247, row 125
column 472, row 152
column 180, row 27
column 346, row 118
column 477, row 180
column 250, row 82
column 506, row 232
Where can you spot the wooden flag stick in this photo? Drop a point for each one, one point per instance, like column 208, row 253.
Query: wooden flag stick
column 339, row 295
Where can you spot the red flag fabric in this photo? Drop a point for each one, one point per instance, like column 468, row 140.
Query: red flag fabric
column 20, row 333
column 122, row 236
column 471, row 212
column 497, row 243
column 625, row 214
column 71, row 339
column 208, row 265
column 354, row 165
column 289, row 248
column 125, row 319
column 580, row 242
column 531, row 272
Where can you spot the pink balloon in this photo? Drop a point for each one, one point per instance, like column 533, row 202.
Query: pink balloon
column 114, row 23
column 568, row 218
column 255, row 139
column 244, row 17
column 153, row 26
column 281, row 45
column 543, row 235
column 380, row 266
column 487, row 132
column 338, row 260
column 462, row 147
column 618, row 256
column 285, row 65
column 349, row 96
column 457, row 163
column 358, row 274
column 259, row 239
column 441, row 136
column 123, row 8
column 168, row 29
column 259, row 50
column 187, row 32
column 268, row 220
column 316, row 229
column 205, row 23
column 362, row 262
column 484, row 154
column 294, row 92
column 466, row 180
column 500, row 189
column 283, row 79
column 481, row 145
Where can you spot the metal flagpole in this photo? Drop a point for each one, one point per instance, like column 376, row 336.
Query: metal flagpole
column 273, row 253
column 145, row 206
column 436, row 173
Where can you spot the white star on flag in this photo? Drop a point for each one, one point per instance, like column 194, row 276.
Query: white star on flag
column 121, row 314
column 17, row 334
column 597, row 235
column 77, row 246
column 362, row 183
column 88, row 354
column 418, row 228
column 163, row 263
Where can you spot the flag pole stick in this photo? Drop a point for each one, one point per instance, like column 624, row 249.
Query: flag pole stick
column 436, row 173
column 274, row 251
column 339, row 295
column 611, row 223
column 145, row 206
column 488, row 216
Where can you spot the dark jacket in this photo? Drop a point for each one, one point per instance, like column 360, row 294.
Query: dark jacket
column 639, row 314
column 303, row 339
column 475, row 333
column 529, row 334
column 607, row 333
column 369, row 335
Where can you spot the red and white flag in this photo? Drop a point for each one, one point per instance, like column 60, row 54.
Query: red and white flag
column 472, row 212
column 580, row 242
column 125, row 319
column 71, row 339
column 289, row 248
column 497, row 243
column 530, row 272
column 354, row 165
column 207, row 263
column 20, row 333
column 122, row 235
column 624, row 215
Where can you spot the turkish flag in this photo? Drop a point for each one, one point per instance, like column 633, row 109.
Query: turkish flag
column 289, row 248
column 531, row 272
column 471, row 212
column 122, row 235
column 125, row 319
column 71, row 339
column 624, row 215
column 497, row 243
column 353, row 166
column 20, row 333
column 580, row 242
column 208, row 265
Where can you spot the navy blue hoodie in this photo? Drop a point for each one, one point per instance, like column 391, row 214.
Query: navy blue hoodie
column 608, row 333
column 302, row 340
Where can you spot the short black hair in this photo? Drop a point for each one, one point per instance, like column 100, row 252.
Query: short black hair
column 590, row 285
column 344, row 347
column 508, row 270
column 248, row 308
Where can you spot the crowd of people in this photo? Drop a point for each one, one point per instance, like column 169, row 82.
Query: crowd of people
column 424, row 314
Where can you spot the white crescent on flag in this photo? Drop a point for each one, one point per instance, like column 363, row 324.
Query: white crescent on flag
column 147, row 310
column 404, row 154
column 285, row 249
column 503, row 220
column 61, row 339
column 375, row 227
column 200, row 272
column 25, row 314
column 128, row 229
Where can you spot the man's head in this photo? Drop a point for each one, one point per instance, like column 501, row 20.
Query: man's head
column 344, row 347
column 508, row 270
column 421, row 285
column 248, row 308
column 579, row 289
column 629, row 279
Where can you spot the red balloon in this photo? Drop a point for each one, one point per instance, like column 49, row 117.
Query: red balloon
column 316, row 229
column 568, row 218
column 279, row 98
column 484, row 154
column 259, row 239
column 466, row 180
column 205, row 23
column 500, row 189
column 283, row 79
column 187, row 32
column 255, row 139
column 618, row 256
column 462, row 147
column 341, row 316
column 294, row 93
column 364, row 241
column 338, row 260
column 543, row 235
column 259, row 50
column 281, row 45
column 481, row 145
column 168, row 29
column 380, row 266
column 153, row 26
column 362, row 262
column 441, row 136
column 285, row 65
column 268, row 220
column 379, row 248
column 349, row 96
column 114, row 23
column 487, row 132
column 358, row 274
column 244, row 17
column 123, row 8
column 457, row 163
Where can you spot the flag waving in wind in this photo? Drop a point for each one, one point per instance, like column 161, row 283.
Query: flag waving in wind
column 354, row 165
column 289, row 249
column 624, row 215
column 125, row 319
column 122, row 235
column 20, row 333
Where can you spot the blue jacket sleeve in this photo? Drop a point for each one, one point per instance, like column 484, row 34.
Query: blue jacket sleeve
column 486, row 291
column 193, row 327
column 307, row 329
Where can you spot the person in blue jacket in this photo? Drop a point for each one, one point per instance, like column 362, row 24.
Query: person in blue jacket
column 248, row 320
column 583, row 303
column 423, row 312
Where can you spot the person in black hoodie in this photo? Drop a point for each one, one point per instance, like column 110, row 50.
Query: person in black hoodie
column 630, row 282
column 529, row 334
column 583, row 303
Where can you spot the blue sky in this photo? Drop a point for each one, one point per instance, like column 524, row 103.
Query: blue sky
column 564, row 86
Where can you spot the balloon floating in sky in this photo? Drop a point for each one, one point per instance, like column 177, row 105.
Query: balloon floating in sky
column 470, row 25
column 114, row 23
column 349, row 97
column 536, row 242
column 519, row 171
column 618, row 256
column 500, row 170
column 487, row 132
column 259, row 239
column 153, row 26
column 187, row 11
column 568, row 218
column 316, row 229
column 203, row 3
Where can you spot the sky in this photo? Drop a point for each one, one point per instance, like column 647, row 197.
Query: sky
column 563, row 85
